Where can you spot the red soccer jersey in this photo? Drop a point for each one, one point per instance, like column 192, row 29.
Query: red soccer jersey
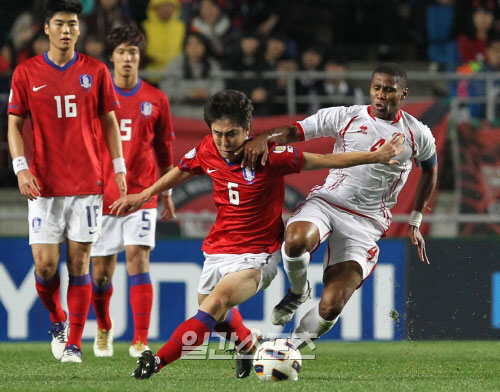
column 146, row 131
column 249, row 203
column 65, row 104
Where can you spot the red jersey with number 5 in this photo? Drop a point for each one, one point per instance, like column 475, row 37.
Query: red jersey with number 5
column 146, row 132
column 249, row 203
column 64, row 104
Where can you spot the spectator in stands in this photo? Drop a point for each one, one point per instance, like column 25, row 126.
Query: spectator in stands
column 473, row 43
column 165, row 33
column 94, row 47
column 337, row 88
column 274, row 51
column 106, row 15
column 215, row 25
column 247, row 58
column 307, row 86
column 280, row 90
column 192, row 77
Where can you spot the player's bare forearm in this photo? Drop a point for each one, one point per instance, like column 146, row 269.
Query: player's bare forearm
column 112, row 134
column 14, row 136
column 425, row 188
column 347, row 159
column 131, row 203
column 258, row 146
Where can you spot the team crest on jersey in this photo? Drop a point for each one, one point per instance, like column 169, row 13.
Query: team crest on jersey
column 36, row 224
column 248, row 174
column 146, row 108
column 279, row 149
column 363, row 129
column 85, row 81
column 190, row 154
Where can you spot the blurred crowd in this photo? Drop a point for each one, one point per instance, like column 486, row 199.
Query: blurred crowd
column 190, row 42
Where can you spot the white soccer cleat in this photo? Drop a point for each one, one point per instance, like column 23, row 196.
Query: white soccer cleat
column 136, row 349
column 284, row 311
column 103, row 342
column 59, row 332
column 72, row 354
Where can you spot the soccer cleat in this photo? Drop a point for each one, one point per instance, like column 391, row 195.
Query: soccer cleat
column 136, row 349
column 72, row 354
column 244, row 359
column 148, row 365
column 59, row 332
column 103, row 342
column 284, row 311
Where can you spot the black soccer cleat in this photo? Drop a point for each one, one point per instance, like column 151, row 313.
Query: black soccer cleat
column 244, row 360
column 148, row 365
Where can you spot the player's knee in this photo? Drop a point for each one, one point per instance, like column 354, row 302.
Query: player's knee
column 102, row 280
column 300, row 239
column 330, row 311
column 295, row 245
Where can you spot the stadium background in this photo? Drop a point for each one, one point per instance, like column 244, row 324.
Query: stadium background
column 457, row 297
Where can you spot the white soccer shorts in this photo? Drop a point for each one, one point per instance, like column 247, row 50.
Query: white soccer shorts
column 137, row 228
column 350, row 237
column 218, row 265
column 53, row 219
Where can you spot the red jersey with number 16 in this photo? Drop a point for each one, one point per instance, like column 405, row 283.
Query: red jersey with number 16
column 65, row 104
column 249, row 203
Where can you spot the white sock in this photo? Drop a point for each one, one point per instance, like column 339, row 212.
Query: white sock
column 311, row 326
column 296, row 270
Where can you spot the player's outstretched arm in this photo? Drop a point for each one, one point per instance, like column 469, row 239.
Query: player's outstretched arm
column 114, row 143
column 167, row 204
column 257, row 147
column 383, row 154
column 131, row 203
column 27, row 182
column 425, row 188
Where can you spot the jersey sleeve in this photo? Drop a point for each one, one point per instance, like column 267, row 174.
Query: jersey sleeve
column 325, row 122
column 164, row 134
column 425, row 143
column 190, row 162
column 285, row 160
column 18, row 97
column 107, row 96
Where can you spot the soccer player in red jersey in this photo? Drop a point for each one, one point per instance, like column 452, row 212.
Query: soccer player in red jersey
column 146, row 132
column 71, row 102
column 242, row 251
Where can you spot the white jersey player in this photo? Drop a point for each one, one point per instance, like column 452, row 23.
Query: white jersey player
column 352, row 208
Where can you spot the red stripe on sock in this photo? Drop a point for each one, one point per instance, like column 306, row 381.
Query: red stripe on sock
column 235, row 326
column 50, row 296
column 188, row 335
column 100, row 302
column 141, row 301
column 78, row 306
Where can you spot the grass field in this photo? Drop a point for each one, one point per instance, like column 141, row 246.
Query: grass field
column 339, row 366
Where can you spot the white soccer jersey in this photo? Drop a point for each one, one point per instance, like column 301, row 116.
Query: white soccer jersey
column 367, row 190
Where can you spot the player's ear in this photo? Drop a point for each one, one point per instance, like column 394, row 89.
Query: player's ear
column 404, row 94
column 46, row 28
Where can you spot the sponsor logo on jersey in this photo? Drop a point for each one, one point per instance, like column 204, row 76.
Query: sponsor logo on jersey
column 289, row 148
column 85, row 81
column 36, row 224
column 248, row 174
column 296, row 212
column 190, row 154
column 146, row 108
column 363, row 129
column 279, row 149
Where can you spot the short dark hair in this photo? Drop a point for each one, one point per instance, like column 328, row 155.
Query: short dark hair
column 52, row 7
column 232, row 105
column 125, row 34
column 392, row 69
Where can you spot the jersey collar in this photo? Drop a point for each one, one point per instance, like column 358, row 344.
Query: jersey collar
column 398, row 116
column 65, row 66
column 127, row 93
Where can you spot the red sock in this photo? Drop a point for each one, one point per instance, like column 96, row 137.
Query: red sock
column 48, row 291
column 234, row 324
column 181, row 343
column 141, row 301
column 100, row 301
column 79, row 293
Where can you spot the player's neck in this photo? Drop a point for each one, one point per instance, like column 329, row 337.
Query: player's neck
column 60, row 57
column 126, row 82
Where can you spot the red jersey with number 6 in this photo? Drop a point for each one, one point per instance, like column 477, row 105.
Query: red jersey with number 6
column 146, row 132
column 65, row 104
column 249, row 203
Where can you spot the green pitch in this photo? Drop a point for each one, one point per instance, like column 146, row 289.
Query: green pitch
column 371, row 366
